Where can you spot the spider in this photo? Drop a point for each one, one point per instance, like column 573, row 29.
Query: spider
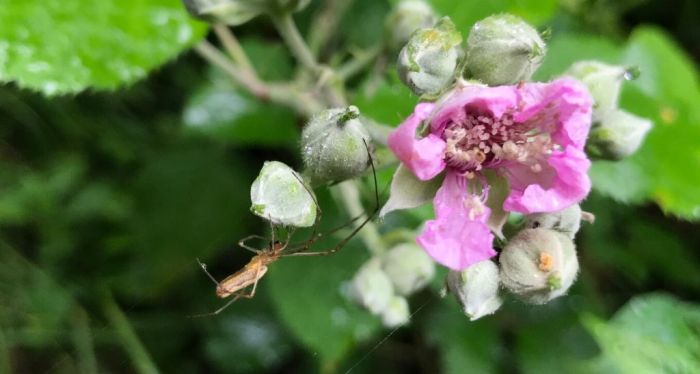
column 235, row 284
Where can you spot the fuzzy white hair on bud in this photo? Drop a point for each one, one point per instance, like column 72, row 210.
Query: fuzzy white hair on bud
column 372, row 288
column 566, row 221
column 476, row 289
column 408, row 267
column 279, row 195
column 406, row 17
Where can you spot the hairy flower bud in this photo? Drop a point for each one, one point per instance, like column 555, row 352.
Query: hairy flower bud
column 476, row 289
column 396, row 312
column 618, row 135
column 371, row 288
column 230, row 12
column 566, row 221
column 428, row 62
column 279, row 195
column 603, row 81
column 503, row 49
column 538, row 265
column 408, row 267
column 236, row 12
column 407, row 17
column 334, row 145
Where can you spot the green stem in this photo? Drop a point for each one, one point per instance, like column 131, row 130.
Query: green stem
column 233, row 47
column 326, row 23
column 291, row 35
column 5, row 363
column 378, row 132
column 82, row 339
column 349, row 195
column 359, row 62
column 130, row 341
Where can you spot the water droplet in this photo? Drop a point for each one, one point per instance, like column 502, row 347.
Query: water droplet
column 631, row 73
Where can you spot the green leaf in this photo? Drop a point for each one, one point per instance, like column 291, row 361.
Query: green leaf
column 66, row 46
column 387, row 101
column 306, row 292
column 565, row 49
column 653, row 333
column 465, row 13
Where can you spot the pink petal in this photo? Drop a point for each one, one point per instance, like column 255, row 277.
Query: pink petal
column 493, row 100
column 561, row 183
column 456, row 238
column 424, row 157
column 562, row 107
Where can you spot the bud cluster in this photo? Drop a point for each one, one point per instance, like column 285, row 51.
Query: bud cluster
column 384, row 282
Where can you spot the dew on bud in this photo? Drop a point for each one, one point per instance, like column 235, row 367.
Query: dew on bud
column 372, row 288
column 618, row 135
column 538, row 265
column 566, row 221
column 333, row 145
column 405, row 18
column 396, row 313
column 503, row 49
column 428, row 62
column 408, row 267
column 278, row 195
column 476, row 289
column 603, row 81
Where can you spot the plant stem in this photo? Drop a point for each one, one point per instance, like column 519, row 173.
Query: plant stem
column 289, row 32
column 82, row 339
column 359, row 62
column 130, row 341
column 325, row 23
column 5, row 363
column 233, row 47
column 349, row 195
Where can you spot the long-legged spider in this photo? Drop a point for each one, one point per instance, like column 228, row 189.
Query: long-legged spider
column 235, row 284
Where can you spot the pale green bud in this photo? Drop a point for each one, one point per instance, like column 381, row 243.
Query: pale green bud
column 372, row 288
column 603, row 82
column 407, row 17
column 408, row 267
column 428, row 62
column 503, row 49
column 396, row 312
column 538, row 265
column 230, row 12
column 334, row 145
column 566, row 221
column 618, row 135
column 476, row 289
column 279, row 196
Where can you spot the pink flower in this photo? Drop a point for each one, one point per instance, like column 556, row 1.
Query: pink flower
column 532, row 134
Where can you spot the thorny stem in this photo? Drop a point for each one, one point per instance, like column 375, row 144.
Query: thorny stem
column 289, row 32
column 128, row 338
column 233, row 47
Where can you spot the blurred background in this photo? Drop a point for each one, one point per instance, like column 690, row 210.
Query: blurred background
column 108, row 197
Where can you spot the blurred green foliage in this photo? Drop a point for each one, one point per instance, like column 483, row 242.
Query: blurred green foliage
column 107, row 199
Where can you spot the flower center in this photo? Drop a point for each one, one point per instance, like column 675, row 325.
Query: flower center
column 480, row 140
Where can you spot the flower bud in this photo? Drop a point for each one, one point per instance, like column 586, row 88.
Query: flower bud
column 396, row 312
column 603, row 81
column 333, row 144
column 278, row 195
column 538, row 265
column 230, row 12
column 407, row 17
column 566, row 221
column 618, row 135
column 476, row 289
column 371, row 288
column 428, row 62
column 408, row 267
column 503, row 49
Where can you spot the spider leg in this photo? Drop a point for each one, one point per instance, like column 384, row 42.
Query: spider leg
column 359, row 227
column 314, row 231
column 241, row 243
column 204, row 267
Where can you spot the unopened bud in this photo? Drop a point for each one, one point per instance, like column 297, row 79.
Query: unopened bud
column 408, row 267
column 230, row 12
column 334, row 145
column 396, row 312
column 503, row 49
column 371, row 288
column 407, row 17
column 538, row 265
column 476, row 289
column 428, row 62
column 566, row 221
column 603, row 82
column 618, row 135
column 279, row 195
